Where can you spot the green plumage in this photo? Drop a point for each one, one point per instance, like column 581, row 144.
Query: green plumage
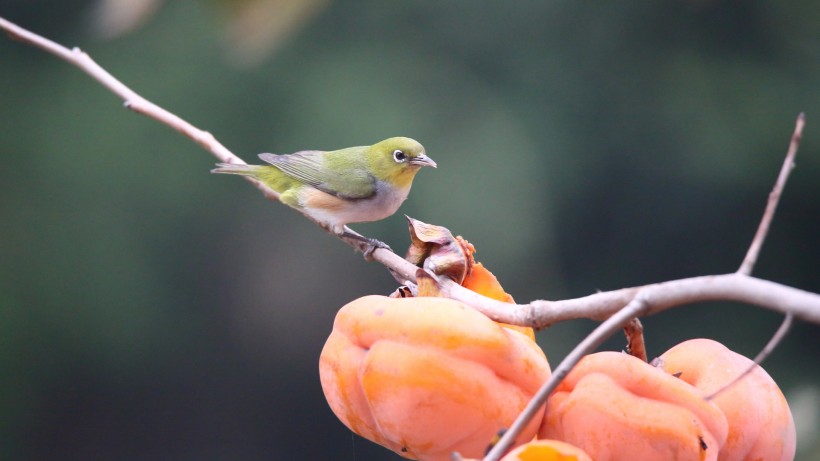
column 343, row 173
column 363, row 183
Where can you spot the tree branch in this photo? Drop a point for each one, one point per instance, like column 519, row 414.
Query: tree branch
column 774, row 198
column 538, row 314
column 650, row 299
column 615, row 308
column 637, row 307
column 132, row 100
column 775, row 341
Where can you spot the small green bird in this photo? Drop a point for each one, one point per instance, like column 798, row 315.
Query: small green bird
column 335, row 188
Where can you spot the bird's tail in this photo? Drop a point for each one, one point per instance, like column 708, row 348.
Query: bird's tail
column 235, row 168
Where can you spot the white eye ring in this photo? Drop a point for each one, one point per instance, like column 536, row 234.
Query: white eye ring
column 399, row 156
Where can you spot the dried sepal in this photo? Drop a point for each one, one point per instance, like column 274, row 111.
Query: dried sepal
column 427, row 285
column 435, row 249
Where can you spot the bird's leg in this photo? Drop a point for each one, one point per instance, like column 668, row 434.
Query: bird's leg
column 371, row 243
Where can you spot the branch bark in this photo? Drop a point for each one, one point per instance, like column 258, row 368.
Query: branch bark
column 637, row 307
column 539, row 313
column 650, row 299
column 775, row 340
column 774, row 198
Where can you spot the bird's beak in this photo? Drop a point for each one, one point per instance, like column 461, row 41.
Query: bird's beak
column 423, row 160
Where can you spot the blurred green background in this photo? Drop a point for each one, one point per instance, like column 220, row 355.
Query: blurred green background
column 152, row 311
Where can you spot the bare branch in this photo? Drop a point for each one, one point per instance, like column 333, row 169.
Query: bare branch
column 637, row 307
column 599, row 306
column 133, row 101
column 774, row 198
column 538, row 314
column 654, row 298
column 614, row 308
column 651, row 299
column 140, row 105
column 766, row 352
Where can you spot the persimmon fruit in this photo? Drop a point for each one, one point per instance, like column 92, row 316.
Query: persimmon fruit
column 760, row 422
column 547, row 450
column 617, row 407
column 428, row 376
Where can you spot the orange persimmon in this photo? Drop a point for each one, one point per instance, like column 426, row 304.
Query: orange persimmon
column 482, row 281
column 617, row 407
column 547, row 450
column 760, row 422
column 428, row 376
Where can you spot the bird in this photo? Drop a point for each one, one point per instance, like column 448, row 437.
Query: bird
column 336, row 188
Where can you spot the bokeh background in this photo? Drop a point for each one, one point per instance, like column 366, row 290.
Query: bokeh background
column 152, row 311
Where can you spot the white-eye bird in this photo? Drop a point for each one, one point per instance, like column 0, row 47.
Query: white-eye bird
column 335, row 188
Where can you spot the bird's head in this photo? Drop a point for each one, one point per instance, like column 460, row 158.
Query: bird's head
column 397, row 160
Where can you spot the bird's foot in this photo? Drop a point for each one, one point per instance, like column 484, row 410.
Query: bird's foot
column 370, row 244
column 373, row 245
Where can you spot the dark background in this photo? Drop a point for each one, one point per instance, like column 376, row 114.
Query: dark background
column 152, row 311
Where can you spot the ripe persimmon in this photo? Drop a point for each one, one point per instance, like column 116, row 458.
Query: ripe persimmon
column 428, row 376
column 761, row 426
column 617, row 407
column 547, row 450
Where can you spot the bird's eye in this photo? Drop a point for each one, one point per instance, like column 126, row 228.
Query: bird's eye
column 399, row 156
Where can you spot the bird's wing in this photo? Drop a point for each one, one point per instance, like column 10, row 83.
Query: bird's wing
column 349, row 179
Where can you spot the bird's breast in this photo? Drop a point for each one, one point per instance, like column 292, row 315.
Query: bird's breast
column 337, row 211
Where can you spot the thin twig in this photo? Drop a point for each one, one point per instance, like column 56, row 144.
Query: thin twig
column 131, row 99
column 538, row 314
column 775, row 341
column 640, row 304
column 636, row 308
column 749, row 261
column 617, row 307
column 138, row 104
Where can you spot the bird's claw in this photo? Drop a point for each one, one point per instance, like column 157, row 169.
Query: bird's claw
column 367, row 246
column 372, row 245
